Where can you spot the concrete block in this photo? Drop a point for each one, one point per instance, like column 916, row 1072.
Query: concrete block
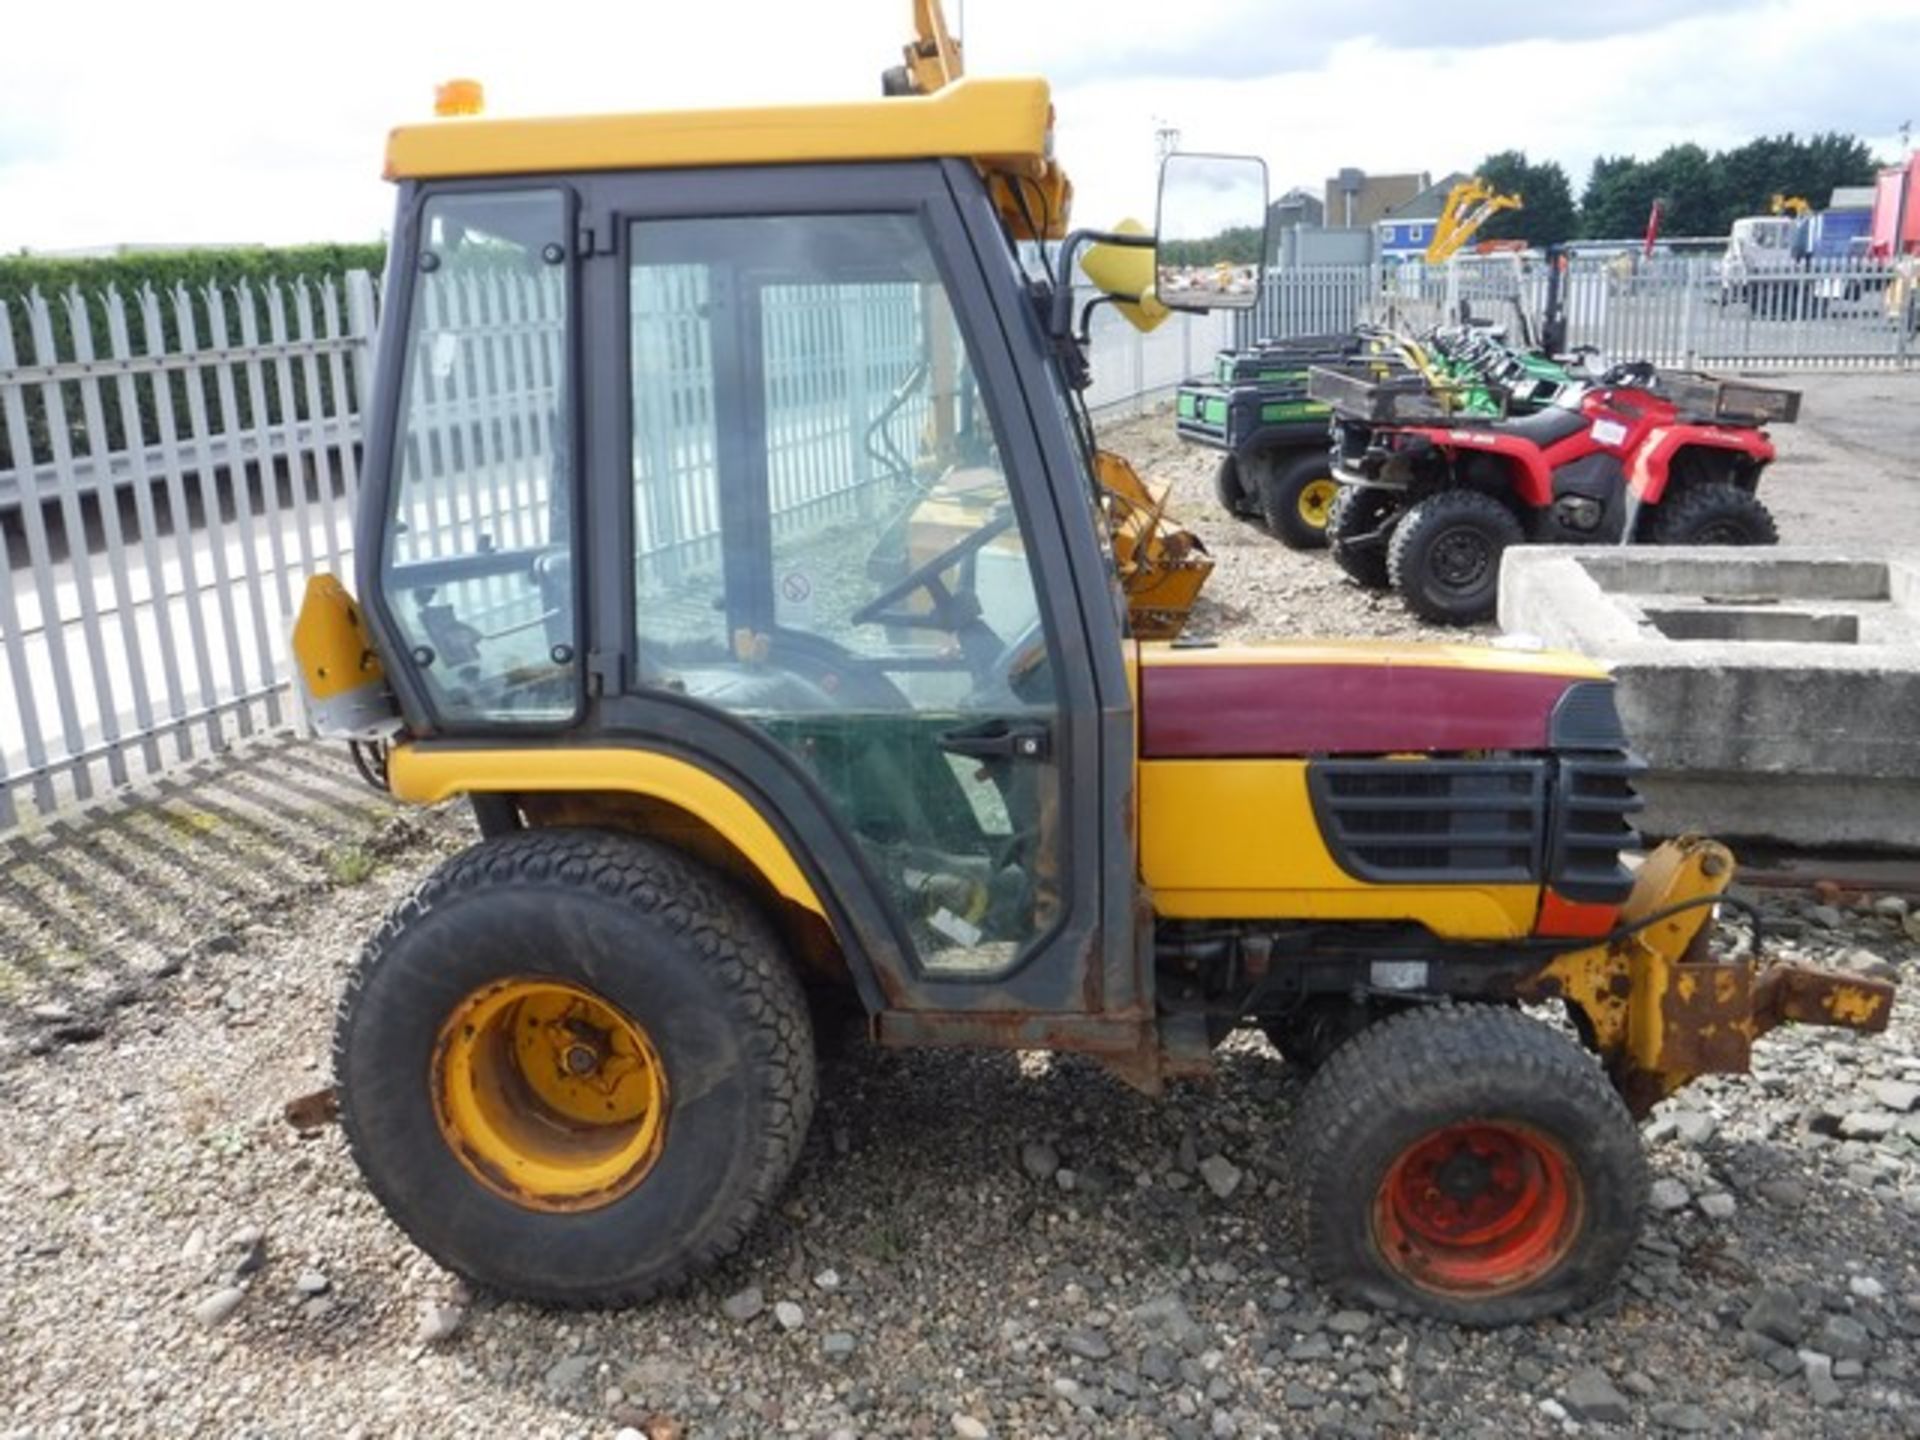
column 1775, row 692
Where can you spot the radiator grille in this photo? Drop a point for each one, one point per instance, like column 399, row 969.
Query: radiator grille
column 1450, row 820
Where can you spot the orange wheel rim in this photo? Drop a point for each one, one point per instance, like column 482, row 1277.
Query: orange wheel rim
column 548, row 1094
column 1482, row 1208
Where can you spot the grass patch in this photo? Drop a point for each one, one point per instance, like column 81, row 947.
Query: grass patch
column 350, row 864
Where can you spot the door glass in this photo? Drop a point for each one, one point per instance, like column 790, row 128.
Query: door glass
column 477, row 555
column 827, row 547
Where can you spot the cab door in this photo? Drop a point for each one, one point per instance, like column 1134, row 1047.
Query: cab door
column 841, row 563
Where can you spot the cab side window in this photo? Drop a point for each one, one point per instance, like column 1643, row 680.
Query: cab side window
column 477, row 556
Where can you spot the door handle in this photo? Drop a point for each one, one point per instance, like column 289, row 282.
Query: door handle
column 999, row 740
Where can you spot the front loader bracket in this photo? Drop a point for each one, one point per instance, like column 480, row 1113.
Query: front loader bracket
column 1660, row 1009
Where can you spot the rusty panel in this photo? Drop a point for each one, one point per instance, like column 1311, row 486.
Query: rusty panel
column 1804, row 995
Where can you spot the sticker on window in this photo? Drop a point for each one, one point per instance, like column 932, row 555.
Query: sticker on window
column 1608, row 432
column 793, row 606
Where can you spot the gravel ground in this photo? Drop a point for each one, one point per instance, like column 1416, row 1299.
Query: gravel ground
column 972, row 1244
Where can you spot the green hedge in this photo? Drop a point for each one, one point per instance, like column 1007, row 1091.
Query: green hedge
column 164, row 269
column 163, row 272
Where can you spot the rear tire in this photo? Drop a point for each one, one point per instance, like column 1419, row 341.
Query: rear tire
column 653, row 942
column 1445, row 555
column 1354, row 521
column 1296, row 496
column 1469, row 1163
column 1228, row 488
column 1716, row 513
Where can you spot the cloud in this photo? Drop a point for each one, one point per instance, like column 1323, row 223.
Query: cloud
column 1242, row 39
column 216, row 120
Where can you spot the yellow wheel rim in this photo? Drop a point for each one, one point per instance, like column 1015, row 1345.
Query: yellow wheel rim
column 550, row 1096
column 1316, row 498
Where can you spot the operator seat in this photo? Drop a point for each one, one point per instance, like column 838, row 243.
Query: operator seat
column 1544, row 427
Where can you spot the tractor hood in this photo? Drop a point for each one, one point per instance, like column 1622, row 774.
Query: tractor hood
column 1363, row 697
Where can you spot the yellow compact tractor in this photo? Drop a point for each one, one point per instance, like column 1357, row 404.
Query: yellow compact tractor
column 734, row 540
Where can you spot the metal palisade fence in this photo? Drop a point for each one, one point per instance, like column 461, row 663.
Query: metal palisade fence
column 1675, row 310
column 173, row 466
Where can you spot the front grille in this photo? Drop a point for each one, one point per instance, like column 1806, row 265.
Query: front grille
column 1406, row 821
column 1593, row 798
column 1561, row 819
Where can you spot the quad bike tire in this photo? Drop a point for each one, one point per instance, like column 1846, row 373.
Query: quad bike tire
column 1229, row 491
column 1296, row 494
column 1715, row 513
column 1359, row 512
column 1445, row 555
column 574, row 1066
column 1469, row 1163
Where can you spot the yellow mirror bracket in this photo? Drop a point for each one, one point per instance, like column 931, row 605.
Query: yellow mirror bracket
column 1127, row 270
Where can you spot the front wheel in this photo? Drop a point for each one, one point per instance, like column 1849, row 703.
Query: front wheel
column 1296, row 497
column 574, row 1066
column 1715, row 513
column 1445, row 556
column 1468, row 1163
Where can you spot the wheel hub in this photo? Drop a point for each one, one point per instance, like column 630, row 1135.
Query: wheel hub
column 1316, row 499
column 549, row 1095
column 1460, row 558
column 1478, row 1209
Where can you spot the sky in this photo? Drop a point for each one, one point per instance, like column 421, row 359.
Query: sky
column 208, row 121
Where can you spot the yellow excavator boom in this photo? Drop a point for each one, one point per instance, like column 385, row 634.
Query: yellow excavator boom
column 1470, row 204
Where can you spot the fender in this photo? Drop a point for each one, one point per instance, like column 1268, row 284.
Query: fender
column 1648, row 472
column 427, row 776
column 1532, row 467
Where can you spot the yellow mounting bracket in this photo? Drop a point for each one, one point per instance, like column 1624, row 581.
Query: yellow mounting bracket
column 1661, row 1009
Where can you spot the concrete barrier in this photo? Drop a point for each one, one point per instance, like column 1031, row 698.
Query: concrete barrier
column 1775, row 693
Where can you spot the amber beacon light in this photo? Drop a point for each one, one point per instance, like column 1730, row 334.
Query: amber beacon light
column 458, row 97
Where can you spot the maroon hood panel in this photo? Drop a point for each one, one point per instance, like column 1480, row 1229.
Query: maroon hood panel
column 1193, row 712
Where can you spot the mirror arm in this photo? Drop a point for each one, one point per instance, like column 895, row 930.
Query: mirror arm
column 1060, row 323
column 1083, row 334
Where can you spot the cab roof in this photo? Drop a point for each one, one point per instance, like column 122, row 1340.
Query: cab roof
column 1002, row 124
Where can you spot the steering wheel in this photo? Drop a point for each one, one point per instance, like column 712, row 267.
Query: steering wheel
column 950, row 611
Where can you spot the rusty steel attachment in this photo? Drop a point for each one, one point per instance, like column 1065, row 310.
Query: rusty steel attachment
column 1661, row 1009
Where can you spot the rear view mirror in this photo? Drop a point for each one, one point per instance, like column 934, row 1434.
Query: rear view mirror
column 1212, row 233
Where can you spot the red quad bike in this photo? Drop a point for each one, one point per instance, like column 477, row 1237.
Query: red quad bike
column 1429, row 501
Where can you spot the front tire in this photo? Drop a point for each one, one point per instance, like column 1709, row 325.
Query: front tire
column 1445, row 555
column 533, row 982
column 1714, row 513
column 1296, row 498
column 1469, row 1163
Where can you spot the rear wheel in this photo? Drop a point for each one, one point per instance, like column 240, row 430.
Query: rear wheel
column 574, row 1067
column 1469, row 1163
column 1445, row 555
column 1715, row 513
column 1296, row 496
column 1358, row 523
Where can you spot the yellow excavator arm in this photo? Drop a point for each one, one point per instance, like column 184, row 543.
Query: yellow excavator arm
column 1470, row 204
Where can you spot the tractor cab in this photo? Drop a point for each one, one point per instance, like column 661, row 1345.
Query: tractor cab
column 789, row 461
